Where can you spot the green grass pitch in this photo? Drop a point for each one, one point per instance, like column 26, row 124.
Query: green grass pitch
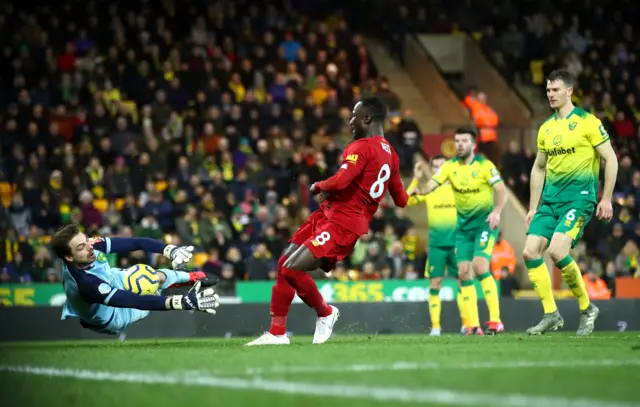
column 508, row 370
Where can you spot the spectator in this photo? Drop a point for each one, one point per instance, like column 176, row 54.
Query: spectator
column 503, row 258
column 261, row 266
column 596, row 287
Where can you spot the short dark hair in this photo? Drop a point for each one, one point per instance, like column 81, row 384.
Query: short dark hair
column 437, row 157
column 467, row 130
column 564, row 76
column 376, row 107
column 61, row 239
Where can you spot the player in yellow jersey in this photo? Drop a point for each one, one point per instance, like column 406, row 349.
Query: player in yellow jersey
column 442, row 218
column 480, row 196
column 571, row 144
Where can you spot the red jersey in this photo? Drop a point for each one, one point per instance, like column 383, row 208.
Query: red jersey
column 370, row 167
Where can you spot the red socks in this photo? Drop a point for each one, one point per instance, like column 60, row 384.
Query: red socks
column 287, row 284
column 307, row 290
column 281, row 298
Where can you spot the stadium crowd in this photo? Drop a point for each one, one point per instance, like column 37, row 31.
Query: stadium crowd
column 187, row 124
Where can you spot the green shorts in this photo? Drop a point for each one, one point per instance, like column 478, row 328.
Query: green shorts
column 569, row 218
column 439, row 259
column 477, row 242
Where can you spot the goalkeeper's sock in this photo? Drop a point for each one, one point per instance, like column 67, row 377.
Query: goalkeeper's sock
column 307, row 291
column 281, row 298
column 174, row 277
column 541, row 282
column 573, row 277
column 490, row 291
column 470, row 298
column 435, row 307
column 464, row 320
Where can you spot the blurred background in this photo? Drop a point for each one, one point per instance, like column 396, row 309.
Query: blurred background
column 205, row 122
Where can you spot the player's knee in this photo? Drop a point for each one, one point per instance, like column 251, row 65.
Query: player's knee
column 531, row 253
column 435, row 283
column 289, row 262
column 479, row 265
column 558, row 252
column 464, row 271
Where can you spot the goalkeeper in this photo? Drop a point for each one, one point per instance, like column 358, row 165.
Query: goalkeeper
column 95, row 291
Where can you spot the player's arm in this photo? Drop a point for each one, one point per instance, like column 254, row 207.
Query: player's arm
column 353, row 164
column 538, row 172
column 94, row 290
column 499, row 190
column 179, row 255
column 438, row 178
column 610, row 168
column 396, row 189
column 537, row 180
column 599, row 139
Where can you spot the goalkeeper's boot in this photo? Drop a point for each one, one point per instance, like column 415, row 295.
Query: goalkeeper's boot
column 324, row 326
column 435, row 332
column 588, row 320
column 269, row 339
column 207, row 280
column 494, row 328
column 549, row 322
column 474, row 331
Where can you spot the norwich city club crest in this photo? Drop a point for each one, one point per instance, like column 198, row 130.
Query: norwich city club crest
column 572, row 125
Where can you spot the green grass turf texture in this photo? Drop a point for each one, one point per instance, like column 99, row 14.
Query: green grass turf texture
column 487, row 365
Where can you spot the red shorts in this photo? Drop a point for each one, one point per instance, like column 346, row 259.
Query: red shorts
column 325, row 239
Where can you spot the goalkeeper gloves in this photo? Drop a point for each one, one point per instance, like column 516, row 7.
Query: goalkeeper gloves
column 180, row 256
column 195, row 300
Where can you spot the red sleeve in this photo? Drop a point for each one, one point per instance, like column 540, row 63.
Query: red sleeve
column 353, row 164
column 396, row 189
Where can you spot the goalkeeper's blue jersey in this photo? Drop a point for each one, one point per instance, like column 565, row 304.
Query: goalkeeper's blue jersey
column 88, row 291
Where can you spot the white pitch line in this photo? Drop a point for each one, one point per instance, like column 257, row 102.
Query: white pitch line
column 399, row 366
column 355, row 391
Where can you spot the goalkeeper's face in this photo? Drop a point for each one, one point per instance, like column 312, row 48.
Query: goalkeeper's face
column 82, row 253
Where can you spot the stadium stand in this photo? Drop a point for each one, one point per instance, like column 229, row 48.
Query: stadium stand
column 527, row 42
column 189, row 124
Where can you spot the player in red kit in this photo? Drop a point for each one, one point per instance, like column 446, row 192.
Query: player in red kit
column 370, row 167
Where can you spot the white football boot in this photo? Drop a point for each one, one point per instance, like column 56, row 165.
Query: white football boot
column 270, row 339
column 324, row 326
column 435, row 332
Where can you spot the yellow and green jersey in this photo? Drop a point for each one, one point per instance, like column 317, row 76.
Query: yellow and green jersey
column 441, row 214
column 573, row 164
column 472, row 189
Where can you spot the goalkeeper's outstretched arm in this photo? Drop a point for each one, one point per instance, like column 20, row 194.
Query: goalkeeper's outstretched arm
column 94, row 290
column 179, row 255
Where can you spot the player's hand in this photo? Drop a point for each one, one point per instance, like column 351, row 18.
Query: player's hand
column 314, row 189
column 195, row 300
column 322, row 197
column 494, row 220
column 180, row 256
column 528, row 218
column 417, row 170
column 604, row 211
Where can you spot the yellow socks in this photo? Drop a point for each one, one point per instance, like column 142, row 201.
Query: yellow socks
column 541, row 282
column 470, row 298
column 572, row 276
column 435, row 307
column 490, row 291
column 464, row 320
